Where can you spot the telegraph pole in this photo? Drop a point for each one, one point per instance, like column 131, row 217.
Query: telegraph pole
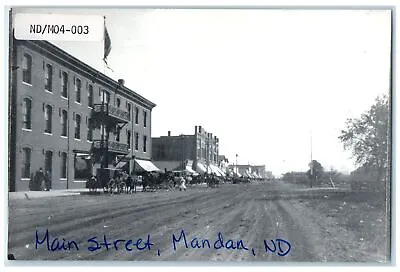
column 312, row 164
column 237, row 170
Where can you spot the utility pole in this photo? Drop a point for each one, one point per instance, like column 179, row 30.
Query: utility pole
column 237, row 170
column 311, row 164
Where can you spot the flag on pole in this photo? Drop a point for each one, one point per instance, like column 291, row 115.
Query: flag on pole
column 107, row 44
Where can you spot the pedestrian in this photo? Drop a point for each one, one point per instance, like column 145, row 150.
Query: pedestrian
column 129, row 184
column 47, row 181
column 182, row 185
column 38, row 179
column 92, row 185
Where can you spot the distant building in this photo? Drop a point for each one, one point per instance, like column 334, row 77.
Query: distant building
column 200, row 148
column 223, row 163
column 69, row 118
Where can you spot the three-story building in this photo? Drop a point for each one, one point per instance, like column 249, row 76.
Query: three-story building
column 69, row 119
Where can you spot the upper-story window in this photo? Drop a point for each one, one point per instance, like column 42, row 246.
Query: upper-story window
column 128, row 138
column 77, row 126
column 117, row 133
column 27, row 69
column 48, row 78
column 48, row 112
column 105, row 97
column 90, row 96
column 27, row 113
column 136, row 115
column 64, row 123
column 64, row 84
column 136, row 141
column 90, row 130
column 144, row 118
column 129, row 109
column 144, row 143
column 78, row 88
column 118, row 102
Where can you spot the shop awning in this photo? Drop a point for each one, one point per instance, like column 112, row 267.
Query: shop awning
column 201, row 168
column 190, row 170
column 85, row 156
column 215, row 170
column 220, row 171
column 121, row 165
column 147, row 166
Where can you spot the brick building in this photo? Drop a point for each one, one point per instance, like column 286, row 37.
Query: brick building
column 201, row 149
column 70, row 119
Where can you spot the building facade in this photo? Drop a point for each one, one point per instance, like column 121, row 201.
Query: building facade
column 69, row 119
column 201, row 148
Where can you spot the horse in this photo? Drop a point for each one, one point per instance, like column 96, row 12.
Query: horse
column 130, row 185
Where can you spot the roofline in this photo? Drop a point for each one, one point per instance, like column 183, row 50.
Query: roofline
column 174, row 136
column 73, row 63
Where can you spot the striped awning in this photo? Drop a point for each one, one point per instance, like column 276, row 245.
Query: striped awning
column 147, row 166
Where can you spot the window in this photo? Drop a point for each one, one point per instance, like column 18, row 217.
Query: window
column 26, row 162
column 118, row 102
column 118, row 133
column 77, row 126
column 26, row 112
column 90, row 96
column 78, row 86
column 64, row 123
column 64, row 84
column 48, row 161
column 145, row 118
column 48, row 112
column 63, row 165
column 144, row 143
column 103, row 130
column 105, row 97
column 136, row 115
column 27, row 69
column 90, row 130
column 48, row 78
column 129, row 108
column 128, row 138
column 136, row 141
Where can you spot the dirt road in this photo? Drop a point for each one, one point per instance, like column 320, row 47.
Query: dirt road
column 299, row 222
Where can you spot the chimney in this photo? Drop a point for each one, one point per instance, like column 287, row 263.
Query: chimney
column 200, row 129
column 121, row 82
column 195, row 130
column 169, row 133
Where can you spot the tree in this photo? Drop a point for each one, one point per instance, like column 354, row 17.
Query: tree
column 368, row 138
column 315, row 172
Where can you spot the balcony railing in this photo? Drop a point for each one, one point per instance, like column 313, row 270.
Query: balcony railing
column 112, row 111
column 112, row 146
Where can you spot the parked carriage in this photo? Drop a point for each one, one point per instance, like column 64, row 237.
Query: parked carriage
column 111, row 180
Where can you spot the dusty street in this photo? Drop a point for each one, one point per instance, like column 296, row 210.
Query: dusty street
column 319, row 225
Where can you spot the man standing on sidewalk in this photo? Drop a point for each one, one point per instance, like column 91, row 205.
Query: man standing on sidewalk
column 37, row 182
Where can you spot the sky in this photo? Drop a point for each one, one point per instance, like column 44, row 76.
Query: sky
column 263, row 81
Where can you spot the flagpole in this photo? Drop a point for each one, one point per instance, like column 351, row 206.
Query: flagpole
column 104, row 40
column 311, row 164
